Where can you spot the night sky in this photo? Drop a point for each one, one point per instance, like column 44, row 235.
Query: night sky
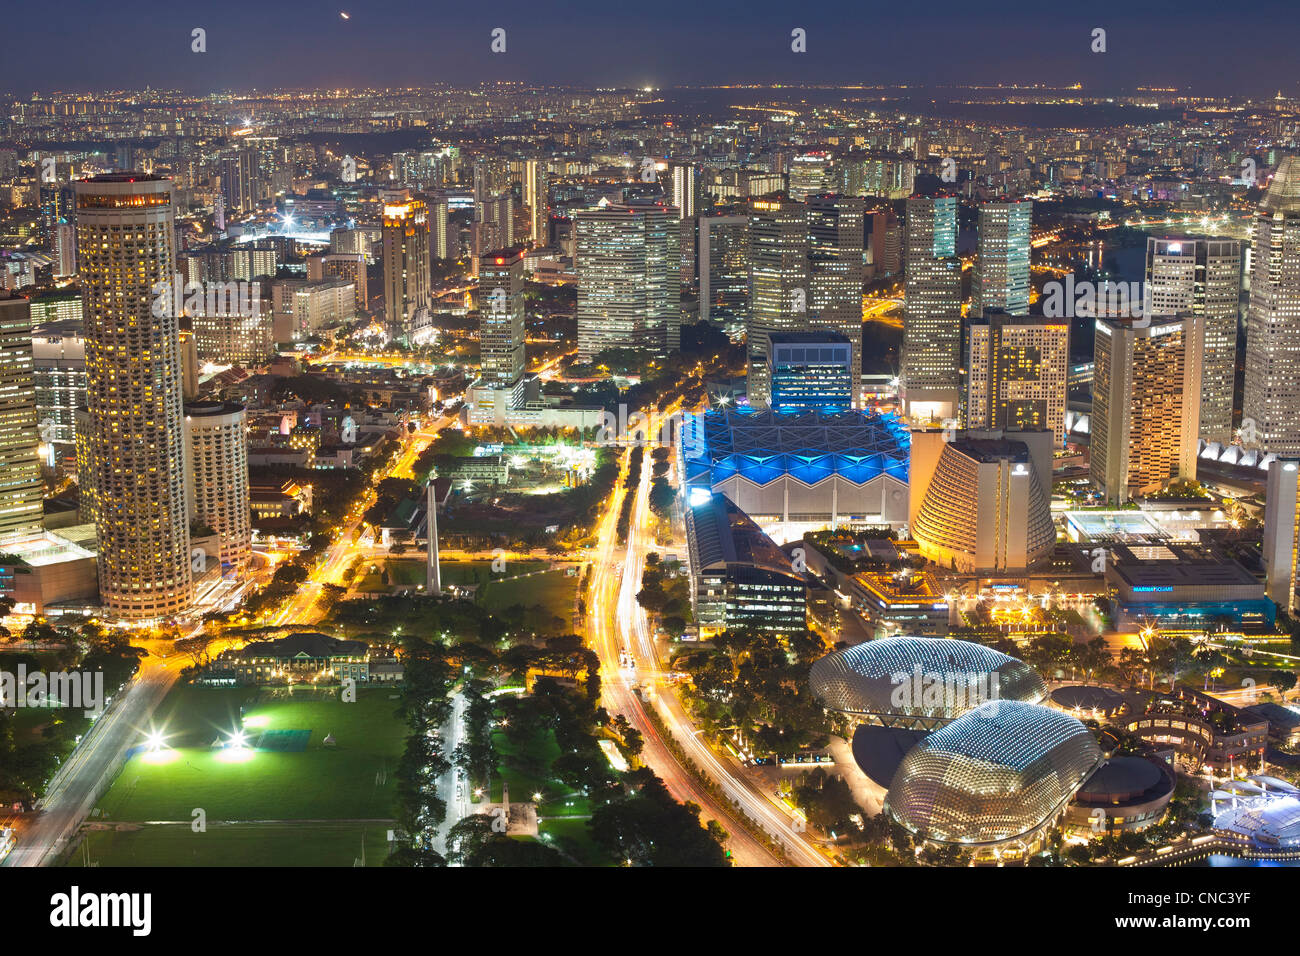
column 1210, row 47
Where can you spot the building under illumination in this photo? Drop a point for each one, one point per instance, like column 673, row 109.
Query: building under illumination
column 1146, row 398
column 800, row 471
column 218, row 476
column 1202, row 277
column 778, row 282
column 1270, row 411
column 407, row 265
column 1016, row 373
column 1001, row 276
column 21, row 491
column 739, row 577
column 629, row 279
column 1281, row 550
column 995, row 780
column 931, row 372
column 135, row 450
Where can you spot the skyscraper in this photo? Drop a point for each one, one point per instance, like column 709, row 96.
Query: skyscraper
column 836, row 260
column 443, row 244
column 1281, row 550
column 809, row 175
column 239, row 182
column 1001, row 277
column 20, row 470
column 501, row 317
column 931, row 373
column 684, row 186
column 407, row 267
column 1146, row 398
column 629, row 282
column 535, row 198
column 218, row 474
column 1016, row 370
column 135, row 454
column 1202, row 277
column 778, row 281
column 724, row 272
column 1270, row 412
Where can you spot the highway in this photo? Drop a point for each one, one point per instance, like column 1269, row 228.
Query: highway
column 619, row 623
column 300, row 609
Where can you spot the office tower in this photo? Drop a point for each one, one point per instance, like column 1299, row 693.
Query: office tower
column 1001, row 277
column 1146, row 404
column 809, row 175
column 239, row 182
column 59, row 374
column 1281, row 551
column 493, row 227
column 1017, row 373
column 1202, row 277
column 218, row 476
column 931, row 370
column 408, row 269
column 836, row 229
column 778, row 281
column 135, row 452
column 21, row 492
column 810, row 370
column 535, row 198
column 501, row 318
column 684, row 186
column 724, row 272
column 1270, row 413
column 348, row 266
column 628, row 279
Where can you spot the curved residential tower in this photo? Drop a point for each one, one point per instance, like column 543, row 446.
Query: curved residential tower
column 134, row 432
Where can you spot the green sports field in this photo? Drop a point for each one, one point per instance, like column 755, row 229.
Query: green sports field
column 235, row 844
column 297, row 777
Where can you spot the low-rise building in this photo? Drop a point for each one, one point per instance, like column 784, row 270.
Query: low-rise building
column 299, row 658
column 739, row 577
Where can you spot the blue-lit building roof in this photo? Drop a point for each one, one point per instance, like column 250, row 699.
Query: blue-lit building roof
column 810, row 446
